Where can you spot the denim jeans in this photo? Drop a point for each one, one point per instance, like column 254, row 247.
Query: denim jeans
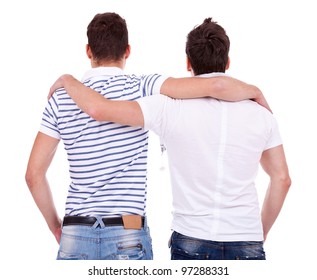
column 105, row 243
column 188, row 248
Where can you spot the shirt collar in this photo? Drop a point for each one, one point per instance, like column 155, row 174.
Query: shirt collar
column 214, row 74
column 102, row 71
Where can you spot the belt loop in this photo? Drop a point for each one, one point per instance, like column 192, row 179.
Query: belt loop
column 145, row 222
column 98, row 222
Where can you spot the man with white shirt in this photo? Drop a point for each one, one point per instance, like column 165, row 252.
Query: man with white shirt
column 214, row 150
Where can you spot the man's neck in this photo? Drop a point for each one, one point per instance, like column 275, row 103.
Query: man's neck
column 120, row 64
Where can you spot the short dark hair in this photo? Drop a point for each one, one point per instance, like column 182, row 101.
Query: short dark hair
column 207, row 48
column 107, row 37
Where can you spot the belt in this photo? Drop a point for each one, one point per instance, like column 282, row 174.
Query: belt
column 90, row 221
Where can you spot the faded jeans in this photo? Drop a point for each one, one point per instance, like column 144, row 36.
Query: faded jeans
column 105, row 243
column 188, row 248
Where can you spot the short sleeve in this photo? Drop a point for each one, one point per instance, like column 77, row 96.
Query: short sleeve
column 153, row 112
column 275, row 138
column 152, row 84
column 49, row 124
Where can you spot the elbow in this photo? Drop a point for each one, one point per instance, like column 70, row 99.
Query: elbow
column 99, row 111
column 285, row 181
column 32, row 177
column 29, row 178
column 288, row 182
column 94, row 113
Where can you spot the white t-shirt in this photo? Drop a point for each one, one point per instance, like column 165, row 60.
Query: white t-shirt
column 214, row 148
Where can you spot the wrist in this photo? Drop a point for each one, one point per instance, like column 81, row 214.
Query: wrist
column 257, row 93
column 56, row 225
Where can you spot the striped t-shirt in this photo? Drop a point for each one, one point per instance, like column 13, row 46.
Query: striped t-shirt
column 107, row 161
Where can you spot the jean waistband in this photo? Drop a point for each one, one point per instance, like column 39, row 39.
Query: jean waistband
column 128, row 221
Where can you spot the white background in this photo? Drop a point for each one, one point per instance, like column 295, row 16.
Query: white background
column 273, row 45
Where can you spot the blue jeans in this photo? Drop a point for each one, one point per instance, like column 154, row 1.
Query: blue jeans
column 188, row 248
column 105, row 243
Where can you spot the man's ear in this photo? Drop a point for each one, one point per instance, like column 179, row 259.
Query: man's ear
column 88, row 51
column 127, row 52
column 188, row 64
column 228, row 63
column 189, row 67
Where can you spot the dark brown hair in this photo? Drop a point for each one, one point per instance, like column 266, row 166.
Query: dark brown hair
column 207, row 48
column 107, row 37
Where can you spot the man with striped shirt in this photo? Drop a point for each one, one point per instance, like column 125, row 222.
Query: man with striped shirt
column 105, row 212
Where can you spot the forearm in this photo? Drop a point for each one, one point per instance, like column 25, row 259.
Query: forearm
column 273, row 202
column 99, row 107
column 42, row 196
column 221, row 87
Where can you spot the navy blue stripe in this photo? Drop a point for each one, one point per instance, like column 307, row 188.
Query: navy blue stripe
column 107, row 154
column 105, row 137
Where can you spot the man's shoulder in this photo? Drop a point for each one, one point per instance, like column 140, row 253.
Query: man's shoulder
column 252, row 105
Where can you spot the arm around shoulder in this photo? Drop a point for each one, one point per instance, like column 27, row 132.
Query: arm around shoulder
column 219, row 87
column 97, row 106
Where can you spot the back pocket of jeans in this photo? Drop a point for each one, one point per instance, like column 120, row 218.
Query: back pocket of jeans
column 180, row 254
column 71, row 256
column 130, row 250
